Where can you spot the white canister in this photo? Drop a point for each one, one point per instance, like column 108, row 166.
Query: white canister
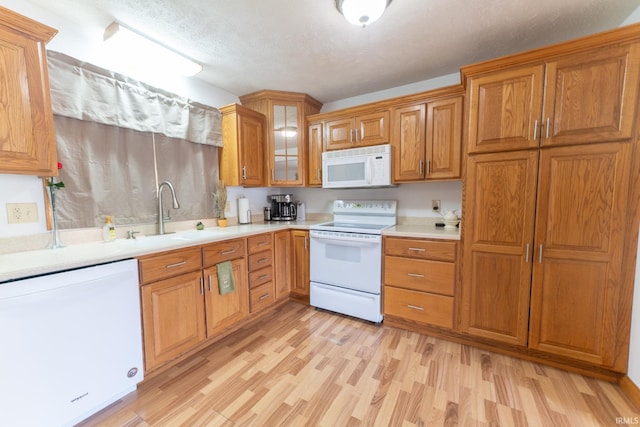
column 300, row 209
column 243, row 211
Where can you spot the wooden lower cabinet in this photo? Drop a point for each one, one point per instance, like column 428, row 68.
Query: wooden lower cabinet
column 223, row 311
column 173, row 317
column 300, row 265
column 543, row 255
column 282, row 263
column 419, row 277
column 261, row 277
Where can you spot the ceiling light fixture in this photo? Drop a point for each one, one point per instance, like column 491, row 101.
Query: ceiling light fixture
column 288, row 131
column 362, row 12
column 138, row 53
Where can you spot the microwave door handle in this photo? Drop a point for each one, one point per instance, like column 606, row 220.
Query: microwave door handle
column 369, row 171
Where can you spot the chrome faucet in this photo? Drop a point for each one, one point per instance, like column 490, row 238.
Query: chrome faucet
column 176, row 205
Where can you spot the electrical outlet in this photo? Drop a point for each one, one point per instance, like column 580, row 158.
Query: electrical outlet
column 435, row 205
column 22, row 213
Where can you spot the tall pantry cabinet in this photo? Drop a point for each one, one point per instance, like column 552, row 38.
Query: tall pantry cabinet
column 550, row 149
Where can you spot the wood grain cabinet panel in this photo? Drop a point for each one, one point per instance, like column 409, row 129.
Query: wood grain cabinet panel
column 283, row 263
column 300, row 265
column 173, row 317
column 316, row 146
column 261, row 297
column 223, row 251
column 419, row 306
column 168, row 264
column 361, row 130
column 499, row 225
column 223, row 311
column 27, row 141
column 419, row 280
column 244, row 137
column 578, row 273
column 427, row 140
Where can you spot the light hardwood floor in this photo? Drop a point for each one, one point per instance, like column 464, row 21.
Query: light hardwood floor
column 300, row 366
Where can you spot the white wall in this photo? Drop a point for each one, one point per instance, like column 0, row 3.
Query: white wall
column 424, row 85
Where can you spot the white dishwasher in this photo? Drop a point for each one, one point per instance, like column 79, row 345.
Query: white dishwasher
column 70, row 344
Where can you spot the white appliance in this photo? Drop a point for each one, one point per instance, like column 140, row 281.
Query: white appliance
column 346, row 258
column 71, row 344
column 357, row 167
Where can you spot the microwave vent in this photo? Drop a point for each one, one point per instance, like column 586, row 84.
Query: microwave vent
column 364, row 151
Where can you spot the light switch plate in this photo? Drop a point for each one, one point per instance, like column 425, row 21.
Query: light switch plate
column 22, row 213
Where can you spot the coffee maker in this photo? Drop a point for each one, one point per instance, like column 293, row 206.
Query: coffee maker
column 283, row 207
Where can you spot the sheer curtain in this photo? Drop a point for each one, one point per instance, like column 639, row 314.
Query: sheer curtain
column 118, row 139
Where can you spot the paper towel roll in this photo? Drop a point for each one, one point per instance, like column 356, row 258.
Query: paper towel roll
column 243, row 211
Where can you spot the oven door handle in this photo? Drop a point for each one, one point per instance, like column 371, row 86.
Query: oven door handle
column 348, row 241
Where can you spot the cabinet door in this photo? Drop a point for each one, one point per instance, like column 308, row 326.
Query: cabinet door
column 252, row 145
column 500, row 196
column 577, row 273
column 592, row 97
column 373, row 129
column 444, row 138
column 409, row 147
column 300, row 284
column 287, row 150
column 225, row 310
column 505, row 108
column 282, row 263
column 339, row 134
column 173, row 317
column 26, row 123
column 314, row 177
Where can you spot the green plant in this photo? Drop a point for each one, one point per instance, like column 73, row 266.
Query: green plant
column 220, row 198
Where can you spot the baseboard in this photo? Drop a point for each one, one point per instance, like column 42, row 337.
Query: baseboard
column 630, row 389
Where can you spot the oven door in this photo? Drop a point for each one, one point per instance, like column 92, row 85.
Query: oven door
column 348, row 260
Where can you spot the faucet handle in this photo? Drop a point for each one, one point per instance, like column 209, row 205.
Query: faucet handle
column 132, row 234
column 168, row 217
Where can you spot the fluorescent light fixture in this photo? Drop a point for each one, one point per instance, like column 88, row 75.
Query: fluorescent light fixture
column 136, row 53
column 362, row 12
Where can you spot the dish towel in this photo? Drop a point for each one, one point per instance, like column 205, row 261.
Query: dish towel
column 225, row 277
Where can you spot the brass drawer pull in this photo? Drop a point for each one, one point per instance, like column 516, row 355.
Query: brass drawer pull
column 264, row 276
column 417, row 249
column 263, row 260
column 262, row 243
column 415, row 307
column 265, row 296
column 177, row 264
column 420, row 276
column 227, row 252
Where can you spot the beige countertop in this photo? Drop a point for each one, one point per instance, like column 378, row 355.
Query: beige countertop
column 42, row 261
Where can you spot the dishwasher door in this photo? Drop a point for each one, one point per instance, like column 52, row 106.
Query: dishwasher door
column 70, row 344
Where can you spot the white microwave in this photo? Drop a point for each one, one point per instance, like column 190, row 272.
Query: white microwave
column 357, row 167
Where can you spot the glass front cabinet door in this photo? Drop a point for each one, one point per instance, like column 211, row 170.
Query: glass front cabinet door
column 286, row 162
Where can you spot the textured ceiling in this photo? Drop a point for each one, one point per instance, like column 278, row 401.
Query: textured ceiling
column 307, row 46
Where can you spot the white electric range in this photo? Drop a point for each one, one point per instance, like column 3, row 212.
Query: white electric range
column 346, row 258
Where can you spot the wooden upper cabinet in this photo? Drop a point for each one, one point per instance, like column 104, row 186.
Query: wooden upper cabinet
column 591, row 97
column 504, row 109
column 499, row 225
column 409, row 145
column 27, row 140
column 286, row 161
column 427, row 140
column 241, row 157
column 578, row 272
column 582, row 98
column 361, row 130
column 316, row 146
column 444, row 138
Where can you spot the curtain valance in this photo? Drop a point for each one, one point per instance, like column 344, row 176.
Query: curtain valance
column 83, row 91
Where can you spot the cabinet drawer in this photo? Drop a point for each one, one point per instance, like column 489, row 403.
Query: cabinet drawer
column 422, row 249
column 420, row 275
column 258, row 277
column 223, row 251
column 260, row 243
column 260, row 260
column 419, row 306
column 261, row 296
column 169, row 264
